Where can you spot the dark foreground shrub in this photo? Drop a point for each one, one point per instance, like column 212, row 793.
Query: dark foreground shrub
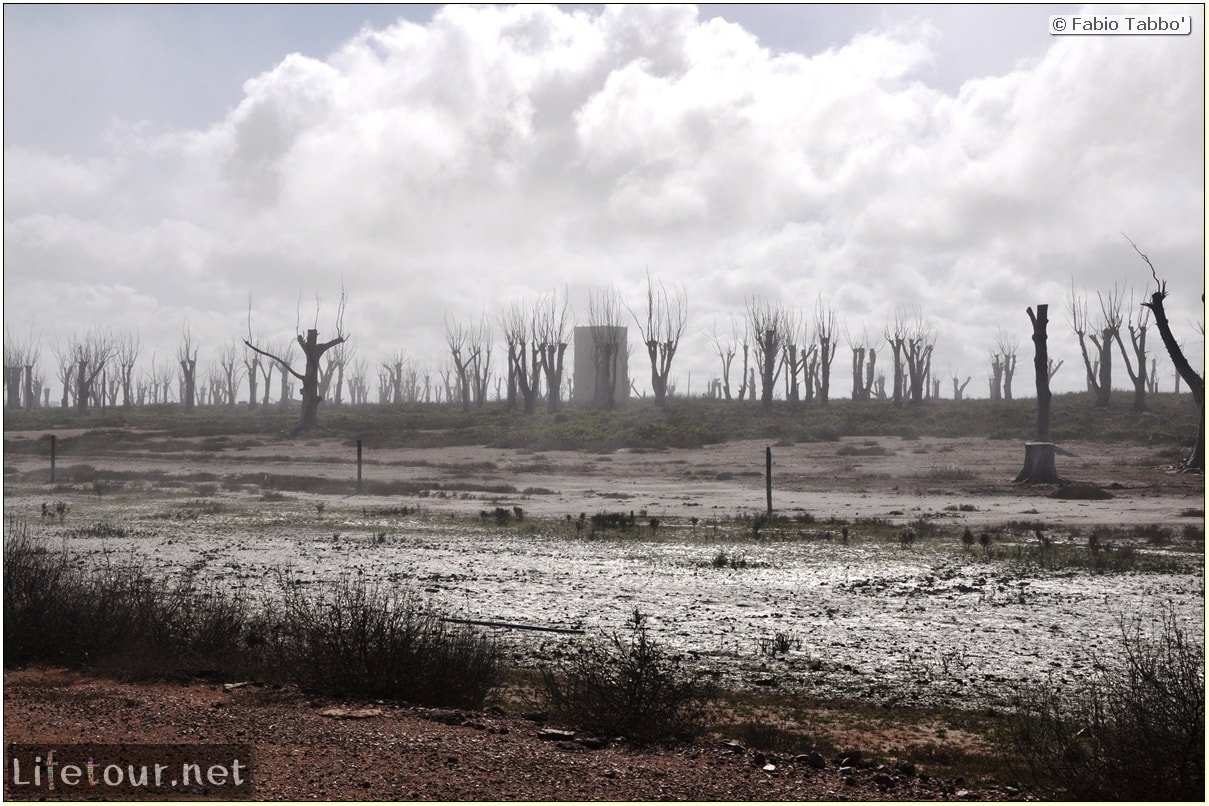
column 628, row 686
column 361, row 639
column 114, row 615
column 1133, row 730
column 351, row 638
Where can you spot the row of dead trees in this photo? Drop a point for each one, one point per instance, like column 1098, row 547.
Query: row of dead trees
column 1040, row 465
column 775, row 343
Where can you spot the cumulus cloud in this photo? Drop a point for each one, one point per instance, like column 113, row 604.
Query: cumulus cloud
column 498, row 152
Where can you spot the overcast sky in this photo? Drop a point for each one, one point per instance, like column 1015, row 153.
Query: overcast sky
column 164, row 163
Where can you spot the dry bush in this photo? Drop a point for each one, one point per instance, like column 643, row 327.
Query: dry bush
column 361, row 639
column 1133, row 730
column 628, row 686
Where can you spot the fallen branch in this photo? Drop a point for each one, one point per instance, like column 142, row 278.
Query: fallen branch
column 513, row 626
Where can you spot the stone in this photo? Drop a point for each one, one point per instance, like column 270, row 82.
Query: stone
column 850, row 758
column 555, row 735
column 351, row 713
column 446, row 717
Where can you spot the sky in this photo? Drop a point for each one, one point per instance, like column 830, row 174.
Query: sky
column 233, row 168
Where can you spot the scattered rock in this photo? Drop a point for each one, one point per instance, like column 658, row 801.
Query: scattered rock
column 851, row 758
column 815, row 759
column 883, row 780
column 593, row 742
column 351, row 713
column 445, row 716
column 733, row 746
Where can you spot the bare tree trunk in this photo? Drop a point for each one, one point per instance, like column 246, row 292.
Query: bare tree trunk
column 1196, row 383
column 1040, row 455
column 313, row 351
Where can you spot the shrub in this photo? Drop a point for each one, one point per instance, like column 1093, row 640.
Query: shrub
column 115, row 615
column 353, row 638
column 1133, row 730
column 628, row 686
column 361, row 639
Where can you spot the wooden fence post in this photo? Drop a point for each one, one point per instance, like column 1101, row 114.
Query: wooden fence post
column 768, row 477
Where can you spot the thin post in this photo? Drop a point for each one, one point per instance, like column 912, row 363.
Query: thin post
column 52, row 458
column 358, row 467
column 768, row 476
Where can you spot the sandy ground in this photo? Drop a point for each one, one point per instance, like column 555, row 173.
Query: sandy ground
column 827, row 479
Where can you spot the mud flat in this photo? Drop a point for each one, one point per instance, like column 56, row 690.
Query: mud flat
column 794, row 606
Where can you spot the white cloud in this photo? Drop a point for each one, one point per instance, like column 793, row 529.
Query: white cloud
column 508, row 151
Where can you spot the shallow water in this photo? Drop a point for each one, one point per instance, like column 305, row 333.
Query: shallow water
column 926, row 624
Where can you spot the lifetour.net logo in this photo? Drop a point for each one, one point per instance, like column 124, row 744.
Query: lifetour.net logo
column 101, row 771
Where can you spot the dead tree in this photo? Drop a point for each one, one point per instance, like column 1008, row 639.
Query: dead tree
column 725, row 350
column 126, row 354
column 996, row 376
column 457, row 339
column 90, row 354
column 824, row 329
column 152, row 376
column 524, row 357
column 959, row 388
column 920, row 341
column 20, row 359
column 186, row 357
column 480, row 360
column 1195, row 462
column 769, row 324
column 793, row 364
column 1007, row 347
column 230, row 373
column 551, row 333
column 1099, row 374
column 1137, row 340
column 896, row 337
column 1040, row 454
column 604, row 317
column 251, row 365
column 312, row 352
column 390, row 385
column 666, row 317
column 864, row 362
column 358, row 382
column 809, row 359
column 334, row 365
column 65, row 372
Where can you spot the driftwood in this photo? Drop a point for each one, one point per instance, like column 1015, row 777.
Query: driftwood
column 513, row 626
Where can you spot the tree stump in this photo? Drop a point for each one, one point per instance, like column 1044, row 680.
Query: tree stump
column 1039, row 465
